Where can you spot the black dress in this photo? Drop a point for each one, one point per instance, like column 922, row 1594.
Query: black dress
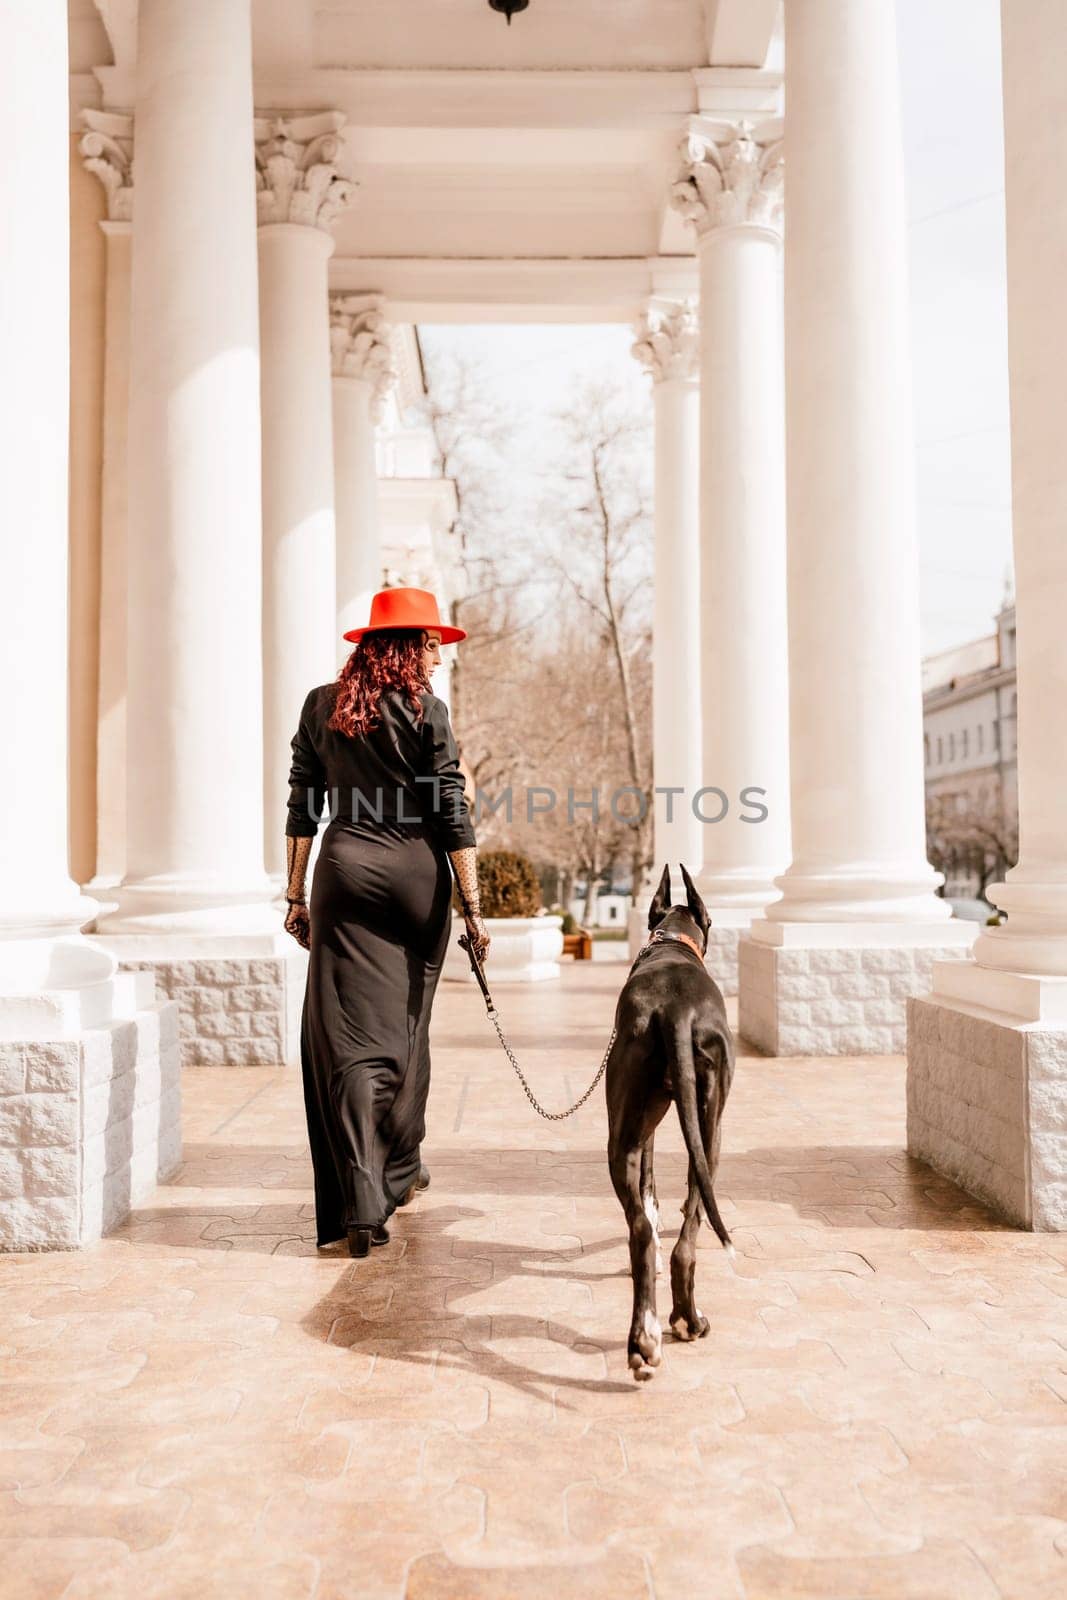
column 380, row 912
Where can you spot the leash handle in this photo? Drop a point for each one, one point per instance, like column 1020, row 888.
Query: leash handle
column 478, row 970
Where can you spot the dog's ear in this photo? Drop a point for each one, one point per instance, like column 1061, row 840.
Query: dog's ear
column 661, row 900
column 697, row 909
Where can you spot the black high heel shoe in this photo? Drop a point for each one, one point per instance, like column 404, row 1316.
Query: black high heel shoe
column 361, row 1239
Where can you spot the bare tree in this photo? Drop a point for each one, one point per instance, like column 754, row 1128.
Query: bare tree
column 473, row 433
column 553, row 686
column 604, row 562
column 975, row 834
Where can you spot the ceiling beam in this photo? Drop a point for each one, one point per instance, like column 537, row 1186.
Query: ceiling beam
column 456, row 290
column 739, row 32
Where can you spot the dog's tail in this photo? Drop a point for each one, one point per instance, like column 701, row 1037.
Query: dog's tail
column 680, row 1047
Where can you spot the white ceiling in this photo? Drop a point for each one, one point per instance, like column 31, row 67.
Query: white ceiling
column 536, row 154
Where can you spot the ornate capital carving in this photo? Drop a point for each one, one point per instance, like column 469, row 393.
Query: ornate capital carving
column 107, row 150
column 361, row 344
column 297, row 179
column 731, row 175
column 667, row 341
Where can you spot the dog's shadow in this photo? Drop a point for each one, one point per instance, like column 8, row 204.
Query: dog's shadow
column 379, row 1306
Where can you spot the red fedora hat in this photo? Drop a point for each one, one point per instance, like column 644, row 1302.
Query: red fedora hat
column 405, row 608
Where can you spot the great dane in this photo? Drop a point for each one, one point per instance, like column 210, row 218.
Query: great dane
column 672, row 1043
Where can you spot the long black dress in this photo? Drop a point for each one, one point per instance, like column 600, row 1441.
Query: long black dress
column 380, row 918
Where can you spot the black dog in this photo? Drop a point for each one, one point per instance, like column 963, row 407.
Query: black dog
column 672, row 1043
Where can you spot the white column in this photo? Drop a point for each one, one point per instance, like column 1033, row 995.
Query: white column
column 987, row 1050
column 300, row 195
column 1034, row 893
column 194, row 858
column 730, row 188
column 107, row 149
column 363, row 373
column 859, row 836
column 668, row 346
column 37, row 896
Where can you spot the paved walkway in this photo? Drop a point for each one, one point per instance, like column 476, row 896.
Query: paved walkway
column 202, row 1406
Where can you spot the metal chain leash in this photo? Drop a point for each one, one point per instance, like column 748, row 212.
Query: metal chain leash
column 494, row 1018
column 549, row 1116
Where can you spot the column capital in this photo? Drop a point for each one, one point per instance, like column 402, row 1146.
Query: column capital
column 297, row 175
column 731, row 175
column 107, row 151
column 361, row 344
column 667, row 340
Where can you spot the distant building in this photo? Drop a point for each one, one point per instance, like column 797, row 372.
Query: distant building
column 609, row 908
column 969, row 735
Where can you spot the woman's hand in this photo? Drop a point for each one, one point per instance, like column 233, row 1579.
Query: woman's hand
column 298, row 923
column 477, row 933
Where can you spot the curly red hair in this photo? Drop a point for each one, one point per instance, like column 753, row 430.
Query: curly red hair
column 385, row 660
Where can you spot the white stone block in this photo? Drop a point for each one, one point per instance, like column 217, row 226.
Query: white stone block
column 53, row 1066
column 108, row 1052
column 84, row 1153
column 12, row 1069
column 834, row 960
column 247, row 1052
column 210, row 974
column 11, row 1179
column 209, row 1053
column 50, row 1171
column 253, row 997
column 108, row 1103
column 987, row 1105
column 50, row 1119
column 43, row 1222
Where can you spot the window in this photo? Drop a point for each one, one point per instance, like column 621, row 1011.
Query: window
column 981, row 733
column 940, row 750
column 996, row 733
column 952, row 747
column 964, row 738
column 926, row 749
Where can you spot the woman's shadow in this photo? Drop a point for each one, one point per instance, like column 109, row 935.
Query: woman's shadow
column 410, row 1307
column 406, row 1300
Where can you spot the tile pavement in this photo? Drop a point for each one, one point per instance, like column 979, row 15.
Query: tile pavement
column 202, row 1405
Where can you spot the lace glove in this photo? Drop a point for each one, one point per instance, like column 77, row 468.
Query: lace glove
column 297, row 919
column 465, row 866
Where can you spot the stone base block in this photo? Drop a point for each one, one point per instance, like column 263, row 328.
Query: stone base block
column 722, row 957
column 236, row 1009
column 987, row 1106
column 89, row 1124
column 825, row 1001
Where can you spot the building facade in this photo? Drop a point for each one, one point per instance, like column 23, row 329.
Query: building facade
column 970, row 744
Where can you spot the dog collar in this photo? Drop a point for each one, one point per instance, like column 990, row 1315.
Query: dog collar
column 662, row 937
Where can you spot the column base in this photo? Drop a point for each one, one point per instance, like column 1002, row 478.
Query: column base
column 90, row 1112
column 240, row 997
column 987, row 1104
column 190, row 908
column 814, row 989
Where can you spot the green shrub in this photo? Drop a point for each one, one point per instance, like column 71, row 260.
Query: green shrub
column 570, row 923
column 508, row 885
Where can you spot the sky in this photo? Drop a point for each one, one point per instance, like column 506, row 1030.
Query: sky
column 953, row 154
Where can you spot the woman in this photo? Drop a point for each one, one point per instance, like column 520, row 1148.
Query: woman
column 380, row 912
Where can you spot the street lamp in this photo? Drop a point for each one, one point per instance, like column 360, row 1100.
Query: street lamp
column 509, row 7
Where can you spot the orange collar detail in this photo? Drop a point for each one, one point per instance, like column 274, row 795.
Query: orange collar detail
column 659, row 937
